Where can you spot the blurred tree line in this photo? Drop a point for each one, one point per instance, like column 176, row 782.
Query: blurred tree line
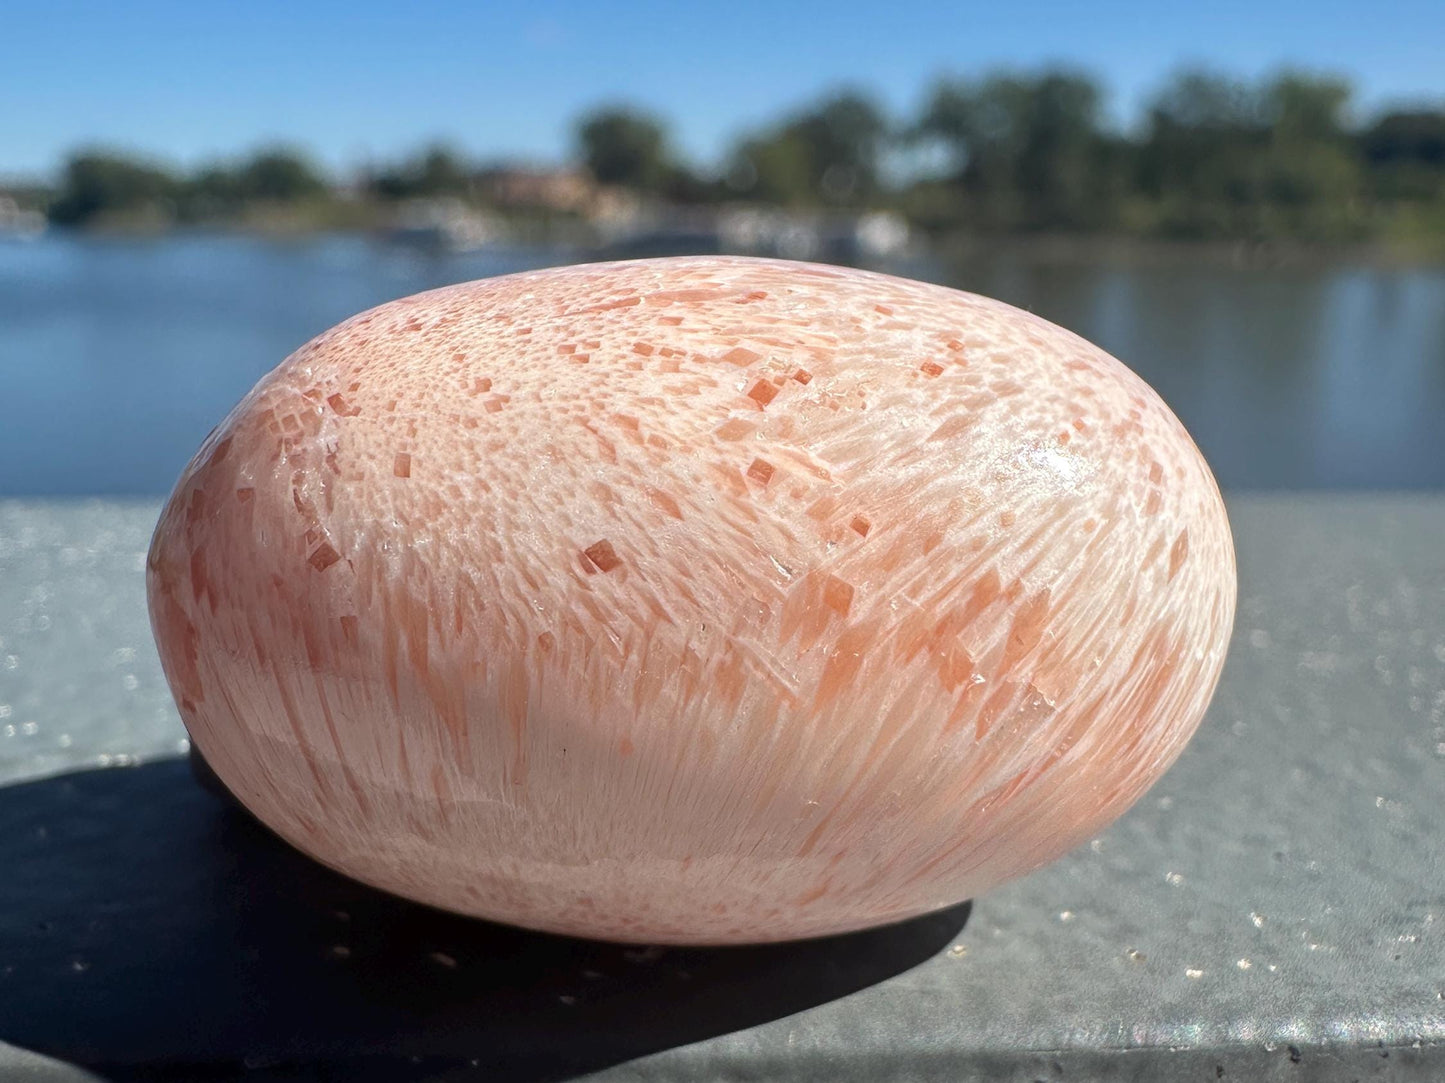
column 98, row 183
column 1213, row 158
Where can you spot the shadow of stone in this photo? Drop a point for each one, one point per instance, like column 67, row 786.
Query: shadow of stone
column 147, row 930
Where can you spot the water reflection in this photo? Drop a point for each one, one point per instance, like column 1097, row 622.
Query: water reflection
column 1301, row 378
column 116, row 357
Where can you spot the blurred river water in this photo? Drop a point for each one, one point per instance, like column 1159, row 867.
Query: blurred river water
column 118, row 356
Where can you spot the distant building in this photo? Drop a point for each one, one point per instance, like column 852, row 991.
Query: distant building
column 15, row 222
column 569, row 191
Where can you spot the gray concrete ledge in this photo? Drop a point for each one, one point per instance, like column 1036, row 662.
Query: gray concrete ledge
column 1273, row 909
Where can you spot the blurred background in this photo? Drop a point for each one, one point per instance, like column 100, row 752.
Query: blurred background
column 1244, row 202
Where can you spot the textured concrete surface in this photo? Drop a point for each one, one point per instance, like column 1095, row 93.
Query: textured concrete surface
column 1273, row 909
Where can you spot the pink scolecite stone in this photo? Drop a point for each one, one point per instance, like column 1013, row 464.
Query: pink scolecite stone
column 696, row 600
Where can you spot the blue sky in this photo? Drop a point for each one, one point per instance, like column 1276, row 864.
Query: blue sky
column 361, row 79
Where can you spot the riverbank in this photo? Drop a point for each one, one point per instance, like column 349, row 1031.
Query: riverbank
column 450, row 226
column 1092, row 250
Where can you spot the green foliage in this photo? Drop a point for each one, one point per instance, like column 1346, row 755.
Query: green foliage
column 278, row 175
column 1028, row 150
column 625, row 147
column 437, row 171
column 1304, row 108
column 1223, row 159
column 1214, row 158
column 100, row 186
column 1404, row 153
column 95, row 182
column 828, row 154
